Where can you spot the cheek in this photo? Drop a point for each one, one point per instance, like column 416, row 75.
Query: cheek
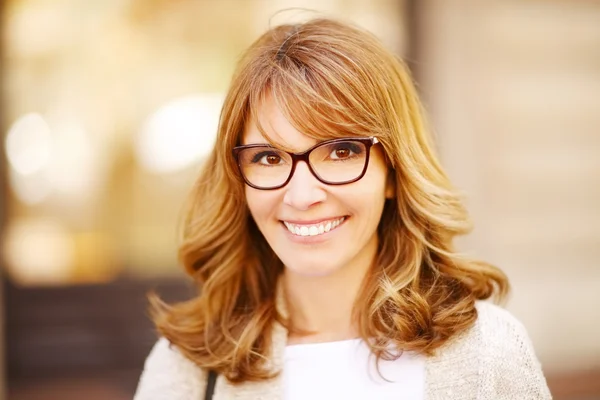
column 261, row 203
column 366, row 198
column 252, row 199
column 371, row 195
column 376, row 178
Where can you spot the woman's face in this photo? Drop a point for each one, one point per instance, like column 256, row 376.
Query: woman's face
column 307, row 205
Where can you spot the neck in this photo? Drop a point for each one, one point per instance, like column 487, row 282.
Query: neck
column 321, row 307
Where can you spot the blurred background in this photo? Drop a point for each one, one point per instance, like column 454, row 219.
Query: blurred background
column 108, row 108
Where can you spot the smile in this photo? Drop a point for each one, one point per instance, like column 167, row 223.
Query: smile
column 313, row 229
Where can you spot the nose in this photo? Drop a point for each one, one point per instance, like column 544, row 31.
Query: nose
column 304, row 189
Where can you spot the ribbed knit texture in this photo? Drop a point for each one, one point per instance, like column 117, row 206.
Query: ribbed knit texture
column 494, row 360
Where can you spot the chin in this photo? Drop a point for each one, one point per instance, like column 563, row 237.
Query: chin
column 310, row 269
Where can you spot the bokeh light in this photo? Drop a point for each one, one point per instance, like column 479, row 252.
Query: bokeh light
column 179, row 133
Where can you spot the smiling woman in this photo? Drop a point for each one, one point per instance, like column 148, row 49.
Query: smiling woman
column 320, row 234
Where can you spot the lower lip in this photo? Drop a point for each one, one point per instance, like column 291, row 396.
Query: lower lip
column 313, row 239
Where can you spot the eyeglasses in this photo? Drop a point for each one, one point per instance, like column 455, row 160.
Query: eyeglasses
column 333, row 162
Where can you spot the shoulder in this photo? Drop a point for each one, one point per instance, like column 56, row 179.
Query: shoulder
column 499, row 333
column 169, row 375
column 506, row 355
column 493, row 359
column 497, row 326
column 494, row 329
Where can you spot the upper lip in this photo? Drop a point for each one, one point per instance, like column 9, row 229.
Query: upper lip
column 312, row 221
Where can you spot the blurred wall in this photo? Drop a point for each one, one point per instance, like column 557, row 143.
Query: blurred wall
column 514, row 90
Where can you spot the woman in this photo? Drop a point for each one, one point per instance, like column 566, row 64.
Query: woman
column 320, row 233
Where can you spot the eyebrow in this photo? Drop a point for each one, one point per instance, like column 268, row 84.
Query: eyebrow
column 253, row 143
column 265, row 143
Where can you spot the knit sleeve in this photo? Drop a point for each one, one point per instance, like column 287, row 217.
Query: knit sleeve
column 168, row 375
column 510, row 368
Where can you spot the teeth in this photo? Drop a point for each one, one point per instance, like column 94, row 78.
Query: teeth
column 315, row 229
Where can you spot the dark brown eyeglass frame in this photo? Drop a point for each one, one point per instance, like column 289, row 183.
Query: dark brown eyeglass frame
column 304, row 156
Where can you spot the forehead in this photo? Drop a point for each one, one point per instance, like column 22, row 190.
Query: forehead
column 271, row 126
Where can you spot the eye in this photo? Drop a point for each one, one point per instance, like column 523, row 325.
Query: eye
column 271, row 159
column 267, row 158
column 340, row 153
column 344, row 151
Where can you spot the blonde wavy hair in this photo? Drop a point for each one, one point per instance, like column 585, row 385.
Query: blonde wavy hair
column 331, row 80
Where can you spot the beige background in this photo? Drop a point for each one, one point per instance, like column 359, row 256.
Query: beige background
column 514, row 90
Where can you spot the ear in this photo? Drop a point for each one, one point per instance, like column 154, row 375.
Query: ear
column 390, row 185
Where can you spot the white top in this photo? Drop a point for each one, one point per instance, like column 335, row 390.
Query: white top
column 347, row 370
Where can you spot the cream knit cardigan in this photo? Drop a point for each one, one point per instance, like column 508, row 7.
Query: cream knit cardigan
column 493, row 360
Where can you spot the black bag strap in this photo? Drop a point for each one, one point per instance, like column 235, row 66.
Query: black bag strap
column 210, row 385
